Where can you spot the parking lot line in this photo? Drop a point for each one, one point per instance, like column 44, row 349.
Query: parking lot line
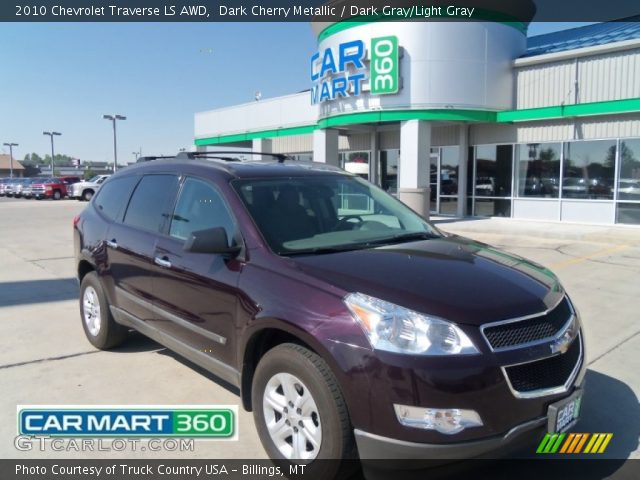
column 584, row 258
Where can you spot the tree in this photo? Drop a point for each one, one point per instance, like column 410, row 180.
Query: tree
column 33, row 158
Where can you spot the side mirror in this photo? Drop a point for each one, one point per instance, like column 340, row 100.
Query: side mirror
column 210, row 240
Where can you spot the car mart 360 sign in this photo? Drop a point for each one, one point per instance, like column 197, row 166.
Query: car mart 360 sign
column 344, row 71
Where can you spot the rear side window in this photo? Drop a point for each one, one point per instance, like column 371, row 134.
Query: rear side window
column 113, row 196
column 200, row 207
column 151, row 202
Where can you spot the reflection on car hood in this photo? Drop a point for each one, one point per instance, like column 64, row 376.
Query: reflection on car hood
column 451, row 277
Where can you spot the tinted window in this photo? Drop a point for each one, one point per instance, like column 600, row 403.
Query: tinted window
column 589, row 169
column 200, row 207
column 151, row 201
column 629, row 181
column 539, row 170
column 113, row 196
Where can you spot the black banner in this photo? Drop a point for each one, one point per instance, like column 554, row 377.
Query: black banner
column 317, row 10
column 123, row 469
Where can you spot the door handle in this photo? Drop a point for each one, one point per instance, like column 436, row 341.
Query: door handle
column 163, row 262
column 112, row 244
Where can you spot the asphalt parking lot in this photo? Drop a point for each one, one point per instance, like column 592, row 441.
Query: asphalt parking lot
column 45, row 359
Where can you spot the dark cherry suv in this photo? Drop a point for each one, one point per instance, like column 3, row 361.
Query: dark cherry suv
column 351, row 325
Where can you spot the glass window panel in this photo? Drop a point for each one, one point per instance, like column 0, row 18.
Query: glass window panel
column 628, row 213
column 629, row 178
column 449, row 166
column 200, row 207
column 538, row 169
column 493, row 170
column 114, row 195
column 489, row 207
column 433, row 177
column 470, row 174
column 389, row 170
column 448, row 205
column 355, row 162
column 151, row 202
column 588, row 169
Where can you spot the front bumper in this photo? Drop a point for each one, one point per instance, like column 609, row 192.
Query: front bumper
column 377, row 447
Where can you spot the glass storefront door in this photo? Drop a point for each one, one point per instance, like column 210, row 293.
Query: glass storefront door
column 443, row 180
column 434, row 184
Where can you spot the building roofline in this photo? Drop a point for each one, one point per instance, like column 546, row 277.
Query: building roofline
column 577, row 52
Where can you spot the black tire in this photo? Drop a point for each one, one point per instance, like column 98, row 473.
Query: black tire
column 57, row 195
column 337, row 442
column 110, row 334
column 87, row 195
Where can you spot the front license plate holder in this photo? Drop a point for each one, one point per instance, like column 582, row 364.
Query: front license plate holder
column 563, row 414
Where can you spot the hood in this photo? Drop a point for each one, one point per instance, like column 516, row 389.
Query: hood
column 450, row 277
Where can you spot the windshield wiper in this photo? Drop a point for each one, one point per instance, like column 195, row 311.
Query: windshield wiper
column 404, row 237
column 321, row 250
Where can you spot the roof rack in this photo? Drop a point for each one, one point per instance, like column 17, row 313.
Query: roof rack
column 281, row 157
column 149, row 158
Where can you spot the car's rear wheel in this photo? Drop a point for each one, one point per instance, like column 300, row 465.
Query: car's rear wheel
column 98, row 323
column 57, row 195
column 87, row 195
column 299, row 410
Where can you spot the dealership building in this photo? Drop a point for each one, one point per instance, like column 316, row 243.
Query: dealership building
column 464, row 118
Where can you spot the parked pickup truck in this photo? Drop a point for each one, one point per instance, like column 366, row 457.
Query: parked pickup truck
column 51, row 187
column 85, row 190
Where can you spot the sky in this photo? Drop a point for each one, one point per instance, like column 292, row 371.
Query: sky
column 65, row 76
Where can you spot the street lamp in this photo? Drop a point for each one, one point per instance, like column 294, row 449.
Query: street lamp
column 10, row 145
column 113, row 119
column 51, row 134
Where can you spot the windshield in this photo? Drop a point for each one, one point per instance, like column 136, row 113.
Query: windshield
column 328, row 213
column 94, row 179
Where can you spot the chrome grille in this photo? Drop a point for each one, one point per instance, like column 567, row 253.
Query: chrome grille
column 510, row 334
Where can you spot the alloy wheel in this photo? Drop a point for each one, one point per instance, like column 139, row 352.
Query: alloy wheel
column 91, row 310
column 292, row 417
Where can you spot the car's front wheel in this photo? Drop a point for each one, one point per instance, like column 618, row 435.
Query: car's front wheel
column 99, row 326
column 299, row 410
column 87, row 195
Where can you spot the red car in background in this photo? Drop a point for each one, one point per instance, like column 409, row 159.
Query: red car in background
column 52, row 187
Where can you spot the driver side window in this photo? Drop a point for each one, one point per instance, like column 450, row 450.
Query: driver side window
column 200, row 207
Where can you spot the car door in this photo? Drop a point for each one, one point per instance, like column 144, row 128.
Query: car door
column 131, row 243
column 196, row 293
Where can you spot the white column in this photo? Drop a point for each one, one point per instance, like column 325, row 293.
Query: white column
column 413, row 181
column 261, row 145
column 325, row 146
column 463, row 143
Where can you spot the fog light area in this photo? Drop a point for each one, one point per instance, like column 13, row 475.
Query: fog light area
column 448, row 421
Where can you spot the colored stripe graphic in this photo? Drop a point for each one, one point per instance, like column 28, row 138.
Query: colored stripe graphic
column 581, row 444
column 543, row 443
column 550, row 443
column 573, row 443
column 567, row 443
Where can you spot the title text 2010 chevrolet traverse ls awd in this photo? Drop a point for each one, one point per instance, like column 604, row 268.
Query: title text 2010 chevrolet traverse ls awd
column 350, row 324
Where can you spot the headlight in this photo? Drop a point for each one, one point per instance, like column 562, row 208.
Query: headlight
column 397, row 329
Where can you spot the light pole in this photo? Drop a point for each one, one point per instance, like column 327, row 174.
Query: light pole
column 52, row 134
column 10, row 145
column 113, row 119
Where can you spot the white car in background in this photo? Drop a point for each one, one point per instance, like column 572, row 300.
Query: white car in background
column 85, row 190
